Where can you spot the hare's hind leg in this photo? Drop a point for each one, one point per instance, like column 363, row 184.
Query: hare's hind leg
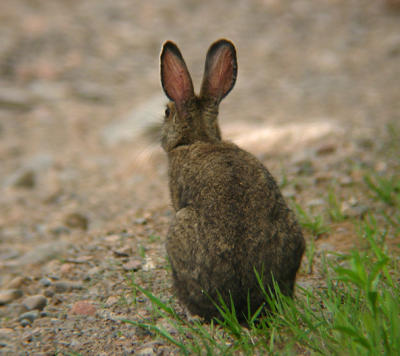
column 185, row 253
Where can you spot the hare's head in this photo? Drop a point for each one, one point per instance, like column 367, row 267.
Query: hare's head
column 190, row 117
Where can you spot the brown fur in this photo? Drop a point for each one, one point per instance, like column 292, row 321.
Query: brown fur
column 230, row 217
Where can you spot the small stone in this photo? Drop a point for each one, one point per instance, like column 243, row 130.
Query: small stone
column 64, row 286
column 16, row 99
column 346, row 181
column 45, row 282
column 17, row 282
column 83, row 307
column 43, row 252
column 26, row 179
column 35, row 302
column 66, row 268
column 60, row 230
column 140, row 221
column 357, row 212
column 30, row 316
column 80, row 259
column 132, row 265
column 94, row 270
column 111, row 300
column 326, row 149
column 9, row 295
column 315, row 202
column 76, row 221
column 112, row 238
column 48, row 293
column 146, row 351
column 123, row 252
column 25, row 322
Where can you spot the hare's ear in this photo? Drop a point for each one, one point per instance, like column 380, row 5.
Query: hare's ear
column 175, row 77
column 220, row 70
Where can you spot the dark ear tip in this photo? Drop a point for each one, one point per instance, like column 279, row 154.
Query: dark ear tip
column 172, row 47
column 223, row 42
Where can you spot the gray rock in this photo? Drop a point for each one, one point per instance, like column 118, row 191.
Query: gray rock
column 66, row 286
column 315, row 202
column 76, row 221
column 45, row 282
column 132, row 265
column 9, row 295
column 30, row 316
column 15, row 99
column 25, row 322
column 16, row 282
column 48, row 293
column 145, row 351
column 35, row 302
column 140, row 221
column 42, row 253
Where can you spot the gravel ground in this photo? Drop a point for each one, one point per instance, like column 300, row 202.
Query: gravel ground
column 84, row 201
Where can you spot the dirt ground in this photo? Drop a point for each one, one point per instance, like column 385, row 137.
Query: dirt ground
column 84, row 197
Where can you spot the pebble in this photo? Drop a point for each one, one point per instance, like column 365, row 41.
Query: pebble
column 346, row 181
column 146, row 351
column 44, row 314
column 48, row 293
column 132, row 265
column 15, row 99
column 140, row 221
column 83, row 307
column 25, row 322
column 326, row 149
column 43, row 252
column 45, row 282
column 29, row 316
column 9, row 295
column 123, row 252
column 315, row 202
column 16, row 282
column 60, row 230
column 357, row 212
column 35, row 302
column 66, row 268
column 112, row 238
column 76, row 221
column 65, row 286
column 111, row 300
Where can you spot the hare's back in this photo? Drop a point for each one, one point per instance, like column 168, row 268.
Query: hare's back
column 226, row 178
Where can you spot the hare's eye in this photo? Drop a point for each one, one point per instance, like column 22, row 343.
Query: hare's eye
column 167, row 112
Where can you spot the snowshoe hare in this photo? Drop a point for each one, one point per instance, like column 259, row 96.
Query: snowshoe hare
column 230, row 217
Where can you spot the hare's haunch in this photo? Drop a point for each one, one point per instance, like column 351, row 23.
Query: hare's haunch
column 230, row 217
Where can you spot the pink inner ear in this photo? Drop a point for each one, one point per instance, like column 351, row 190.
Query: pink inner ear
column 176, row 79
column 221, row 73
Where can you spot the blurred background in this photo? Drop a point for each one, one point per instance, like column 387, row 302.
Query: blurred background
column 79, row 84
column 317, row 88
